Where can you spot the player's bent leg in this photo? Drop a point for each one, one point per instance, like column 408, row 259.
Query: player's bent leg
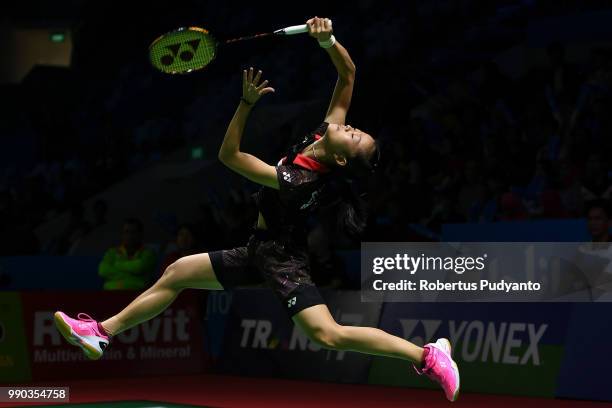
column 194, row 271
column 434, row 360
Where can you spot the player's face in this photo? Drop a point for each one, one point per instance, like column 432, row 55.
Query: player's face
column 347, row 141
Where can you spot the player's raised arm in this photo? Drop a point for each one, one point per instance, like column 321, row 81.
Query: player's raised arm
column 321, row 29
column 242, row 163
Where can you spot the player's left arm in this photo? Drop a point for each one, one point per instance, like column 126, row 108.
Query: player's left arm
column 321, row 29
column 230, row 155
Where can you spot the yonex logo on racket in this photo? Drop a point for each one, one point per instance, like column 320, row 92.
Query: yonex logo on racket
column 291, row 302
column 286, row 176
column 183, row 50
column 185, row 55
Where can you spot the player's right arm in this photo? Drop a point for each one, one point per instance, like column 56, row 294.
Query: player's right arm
column 321, row 29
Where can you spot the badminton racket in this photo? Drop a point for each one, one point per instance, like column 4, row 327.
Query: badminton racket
column 189, row 49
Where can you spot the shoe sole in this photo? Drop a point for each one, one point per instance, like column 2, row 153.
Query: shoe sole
column 74, row 339
column 455, row 369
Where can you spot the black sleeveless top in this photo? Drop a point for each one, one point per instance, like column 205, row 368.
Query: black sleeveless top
column 301, row 191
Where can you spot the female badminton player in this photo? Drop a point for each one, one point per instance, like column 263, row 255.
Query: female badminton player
column 307, row 178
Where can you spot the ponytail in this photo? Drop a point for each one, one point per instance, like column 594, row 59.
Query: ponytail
column 351, row 211
column 349, row 204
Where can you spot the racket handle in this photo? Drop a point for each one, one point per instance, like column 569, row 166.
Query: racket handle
column 297, row 29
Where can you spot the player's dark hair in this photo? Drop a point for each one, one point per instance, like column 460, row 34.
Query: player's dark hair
column 350, row 205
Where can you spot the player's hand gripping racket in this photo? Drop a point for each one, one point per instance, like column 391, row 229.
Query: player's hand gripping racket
column 189, row 49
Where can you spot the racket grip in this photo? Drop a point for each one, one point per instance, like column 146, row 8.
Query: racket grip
column 297, row 29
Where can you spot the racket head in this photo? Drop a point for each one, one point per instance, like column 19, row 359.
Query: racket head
column 183, row 50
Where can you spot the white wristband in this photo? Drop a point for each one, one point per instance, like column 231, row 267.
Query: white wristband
column 328, row 43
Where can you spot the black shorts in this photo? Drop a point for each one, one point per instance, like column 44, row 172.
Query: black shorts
column 282, row 265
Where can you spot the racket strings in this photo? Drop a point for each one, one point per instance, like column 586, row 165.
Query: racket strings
column 183, row 51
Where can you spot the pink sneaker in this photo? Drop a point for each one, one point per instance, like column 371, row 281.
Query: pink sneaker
column 440, row 367
column 83, row 332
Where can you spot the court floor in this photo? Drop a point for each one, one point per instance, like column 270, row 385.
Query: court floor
column 241, row 392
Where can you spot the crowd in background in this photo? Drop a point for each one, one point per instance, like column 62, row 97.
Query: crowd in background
column 463, row 141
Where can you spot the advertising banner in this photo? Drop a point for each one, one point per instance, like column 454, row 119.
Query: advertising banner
column 216, row 314
column 170, row 343
column 500, row 348
column 14, row 359
column 261, row 340
column 585, row 371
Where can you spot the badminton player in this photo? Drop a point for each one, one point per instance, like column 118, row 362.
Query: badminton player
column 314, row 173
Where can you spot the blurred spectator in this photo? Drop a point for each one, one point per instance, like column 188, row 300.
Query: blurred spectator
column 129, row 265
column 187, row 243
column 76, row 229
column 472, row 190
column 487, row 209
column 512, row 208
column 595, row 182
column 552, row 205
column 562, row 83
column 598, row 221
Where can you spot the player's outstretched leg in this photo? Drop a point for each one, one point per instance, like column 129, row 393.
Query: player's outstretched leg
column 434, row 359
column 194, row 271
